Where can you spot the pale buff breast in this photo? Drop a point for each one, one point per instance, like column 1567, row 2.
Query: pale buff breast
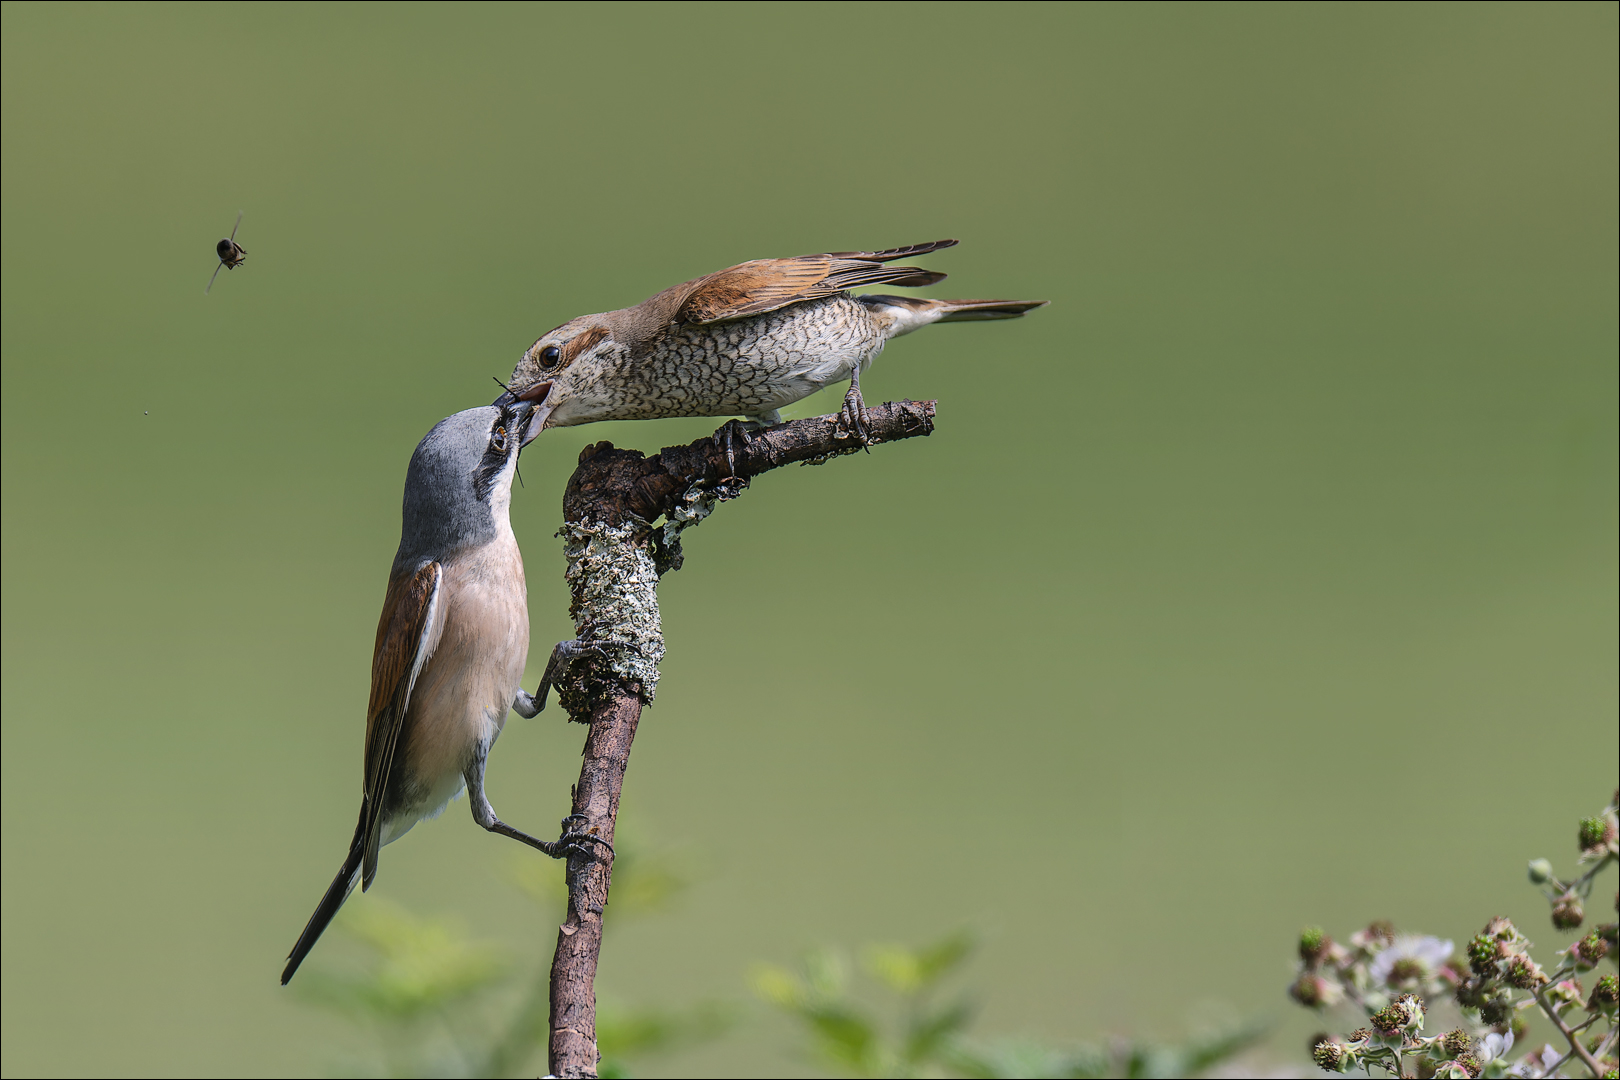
column 466, row 687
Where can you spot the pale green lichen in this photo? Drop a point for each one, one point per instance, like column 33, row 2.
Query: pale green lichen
column 698, row 503
column 613, row 574
column 615, row 586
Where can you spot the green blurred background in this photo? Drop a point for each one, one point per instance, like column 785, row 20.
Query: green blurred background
column 1265, row 578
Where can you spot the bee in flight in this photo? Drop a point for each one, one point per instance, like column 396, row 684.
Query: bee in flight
column 231, row 254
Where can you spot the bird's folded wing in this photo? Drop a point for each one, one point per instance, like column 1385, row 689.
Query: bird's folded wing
column 407, row 633
column 752, row 288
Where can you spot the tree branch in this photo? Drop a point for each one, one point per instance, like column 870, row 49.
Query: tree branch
column 615, row 557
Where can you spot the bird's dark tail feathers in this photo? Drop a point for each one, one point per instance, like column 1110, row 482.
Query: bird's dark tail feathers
column 336, row 893
column 975, row 310
column 907, row 313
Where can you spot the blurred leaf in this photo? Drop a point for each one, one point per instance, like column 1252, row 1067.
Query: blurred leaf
column 930, row 1034
column 628, row 1032
column 1024, row 1058
column 912, row 971
column 827, row 973
column 779, row 986
column 930, row 1040
column 1221, row 1045
column 845, row 1037
column 422, row 965
column 643, row 881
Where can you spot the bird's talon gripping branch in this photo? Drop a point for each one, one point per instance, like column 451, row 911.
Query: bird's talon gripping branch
column 528, row 705
column 574, row 836
column 729, row 431
column 852, row 417
column 579, row 844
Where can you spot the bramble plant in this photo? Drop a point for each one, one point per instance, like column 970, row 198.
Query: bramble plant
column 1390, row 978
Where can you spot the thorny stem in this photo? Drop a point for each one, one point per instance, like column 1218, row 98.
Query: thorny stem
column 1574, row 1041
column 1582, row 884
column 614, row 496
column 1560, row 1063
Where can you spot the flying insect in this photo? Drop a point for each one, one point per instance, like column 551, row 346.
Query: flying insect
column 231, row 254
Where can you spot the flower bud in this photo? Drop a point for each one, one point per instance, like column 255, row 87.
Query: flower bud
column 1605, row 997
column 1313, row 945
column 1541, row 871
column 1567, row 913
column 1588, row 951
column 1471, row 994
column 1482, row 955
column 1597, row 833
column 1404, row 1014
column 1491, row 953
column 1564, row 993
column 1456, row 1042
column 1332, row 1056
column 1496, row 1011
column 1378, row 936
column 1314, row 992
column 1455, row 1070
column 1524, row 973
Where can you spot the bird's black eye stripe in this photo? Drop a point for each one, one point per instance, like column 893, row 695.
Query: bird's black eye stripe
column 495, row 457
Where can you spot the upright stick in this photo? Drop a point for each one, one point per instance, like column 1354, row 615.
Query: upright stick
column 615, row 557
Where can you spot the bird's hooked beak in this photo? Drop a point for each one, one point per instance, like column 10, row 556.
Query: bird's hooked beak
column 538, row 397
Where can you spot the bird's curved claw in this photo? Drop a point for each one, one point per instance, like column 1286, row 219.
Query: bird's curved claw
column 574, row 839
column 852, row 416
column 565, row 653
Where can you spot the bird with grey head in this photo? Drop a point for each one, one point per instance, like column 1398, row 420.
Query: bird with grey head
column 451, row 647
column 745, row 341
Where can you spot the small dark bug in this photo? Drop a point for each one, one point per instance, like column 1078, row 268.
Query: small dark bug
column 231, row 254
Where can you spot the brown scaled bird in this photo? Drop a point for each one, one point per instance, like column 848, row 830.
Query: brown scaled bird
column 745, row 341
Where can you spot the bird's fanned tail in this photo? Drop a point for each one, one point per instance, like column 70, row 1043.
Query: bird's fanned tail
column 336, row 893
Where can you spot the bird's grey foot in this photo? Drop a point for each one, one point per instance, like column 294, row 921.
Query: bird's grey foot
column 529, row 705
column 852, row 417
column 573, row 841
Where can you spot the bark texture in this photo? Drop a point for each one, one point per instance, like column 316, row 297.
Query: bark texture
column 612, row 500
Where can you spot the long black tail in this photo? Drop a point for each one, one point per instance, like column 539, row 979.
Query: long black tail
column 336, row 893
column 975, row 310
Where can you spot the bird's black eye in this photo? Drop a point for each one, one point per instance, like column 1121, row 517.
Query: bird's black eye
column 549, row 357
column 497, row 438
